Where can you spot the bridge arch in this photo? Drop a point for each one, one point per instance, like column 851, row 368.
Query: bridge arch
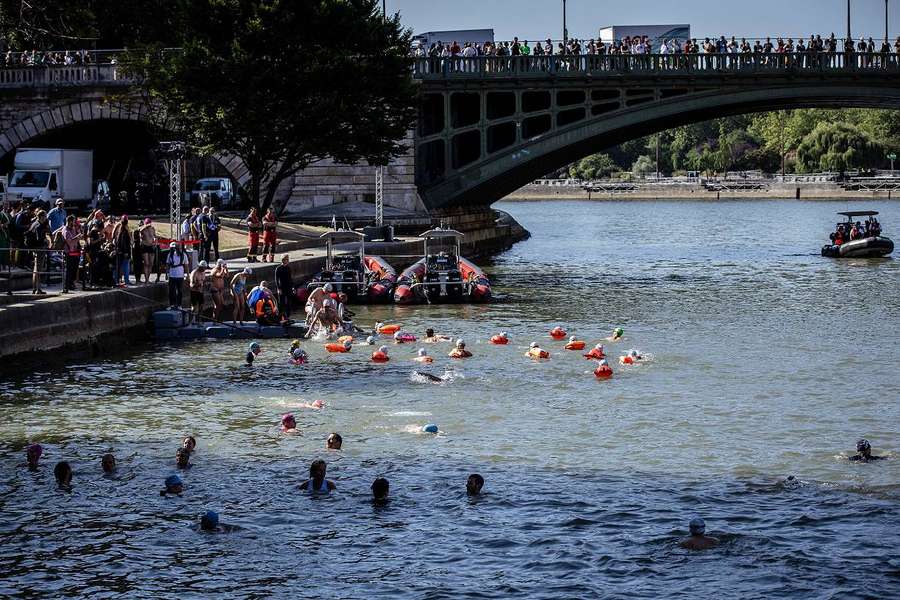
column 45, row 120
column 495, row 175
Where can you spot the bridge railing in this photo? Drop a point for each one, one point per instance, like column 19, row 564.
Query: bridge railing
column 39, row 69
column 651, row 64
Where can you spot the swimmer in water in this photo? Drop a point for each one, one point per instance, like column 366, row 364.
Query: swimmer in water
column 429, row 377
column 597, row 352
column 474, row 484
column 617, row 334
column 183, row 459
column 189, row 443
column 33, row 456
column 63, row 474
column 174, row 486
column 317, row 484
column 432, row 338
column 253, row 352
column 422, row 356
column 108, row 464
column 209, row 522
column 380, row 489
column 460, row 350
column 370, row 341
column 864, row 450
column 288, row 423
column 334, row 441
column 698, row 540
column 299, row 356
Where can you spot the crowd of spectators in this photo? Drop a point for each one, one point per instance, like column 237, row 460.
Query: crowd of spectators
column 43, row 58
column 716, row 53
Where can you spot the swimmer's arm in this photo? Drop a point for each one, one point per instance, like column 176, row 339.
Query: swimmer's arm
column 331, row 486
column 304, row 485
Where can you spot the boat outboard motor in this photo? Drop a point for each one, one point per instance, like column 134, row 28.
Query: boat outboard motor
column 454, row 284
column 432, row 291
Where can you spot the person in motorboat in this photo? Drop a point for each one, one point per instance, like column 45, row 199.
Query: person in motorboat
column 317, row 484
column 864, row 452
column 698, row 540
column 460, row 350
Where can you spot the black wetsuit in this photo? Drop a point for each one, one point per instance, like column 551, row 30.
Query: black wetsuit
column 861, row 458
column 250, row 357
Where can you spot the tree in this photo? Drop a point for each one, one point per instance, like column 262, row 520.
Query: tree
column 595, row 166
column 838, row 147
column 283, row 83
column 643, row 166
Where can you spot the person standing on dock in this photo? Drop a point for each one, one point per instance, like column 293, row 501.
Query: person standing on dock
column 270, row 235
column 148, row 248
column 175, row 264
column 254, row 226
column 284, row 285
column 196, row 284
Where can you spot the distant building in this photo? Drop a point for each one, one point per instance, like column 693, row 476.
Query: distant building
column 460, row 36
column 656, row 33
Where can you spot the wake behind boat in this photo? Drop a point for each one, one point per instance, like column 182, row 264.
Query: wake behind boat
column 442, row 275
column 854, row 239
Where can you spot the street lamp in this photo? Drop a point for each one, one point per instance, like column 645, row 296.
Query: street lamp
column 885, row 21
column 565, row 31
column 848, row 19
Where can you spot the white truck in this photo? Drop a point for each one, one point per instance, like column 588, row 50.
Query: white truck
column 44, row 174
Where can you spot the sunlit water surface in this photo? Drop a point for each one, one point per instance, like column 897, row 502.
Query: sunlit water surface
column 765, row 360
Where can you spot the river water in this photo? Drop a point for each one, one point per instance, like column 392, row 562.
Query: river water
column 763, row 360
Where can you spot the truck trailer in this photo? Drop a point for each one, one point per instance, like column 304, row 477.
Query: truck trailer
column 44, row 174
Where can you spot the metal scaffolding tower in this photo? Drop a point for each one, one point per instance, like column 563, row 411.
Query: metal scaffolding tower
column 173, row 155
column 379, row 196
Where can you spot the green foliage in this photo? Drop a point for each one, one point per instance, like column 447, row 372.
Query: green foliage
column 283, row 83
column 595, row 166
column 838, row 147
column 643, row 166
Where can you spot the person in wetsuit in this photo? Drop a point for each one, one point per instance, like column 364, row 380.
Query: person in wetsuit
column 698, row 540
column 864, row 452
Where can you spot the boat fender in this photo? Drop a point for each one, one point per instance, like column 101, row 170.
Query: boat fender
column 558, row 333
column 389, row 329
column 603, row 372
column 335, row 347
column 575, row 344
column 500, row 340
column 380, row 355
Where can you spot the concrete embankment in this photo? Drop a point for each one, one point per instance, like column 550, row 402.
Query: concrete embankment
column 805, row 191
column 53, row 329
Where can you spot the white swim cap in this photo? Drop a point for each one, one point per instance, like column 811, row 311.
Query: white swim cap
column 599, row 347
column 220, row 262
column 328, row 287
column 204, row 264
column 423, row 352
column 533, row 345
column 370, row 340
column 572, row 338
column 383, row 349
column 460, row 342
column 397, row 335
column 604, row 363
column 503, row 334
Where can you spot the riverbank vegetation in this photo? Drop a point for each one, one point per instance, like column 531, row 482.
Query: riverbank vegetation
column 788, row 141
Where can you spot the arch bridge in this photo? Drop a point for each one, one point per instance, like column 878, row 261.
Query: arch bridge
column 489, row 125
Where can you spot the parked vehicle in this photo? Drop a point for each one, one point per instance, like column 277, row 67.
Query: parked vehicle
column 215, row 191
column 43, row 174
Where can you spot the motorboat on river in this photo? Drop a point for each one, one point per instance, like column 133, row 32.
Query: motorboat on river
column 363, row 278
column 442, row 274
column 871, row 246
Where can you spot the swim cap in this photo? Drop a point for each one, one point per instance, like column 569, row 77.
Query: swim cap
column 220, row 262
column 599, row 347
column 633, row 353
column 173, row 480
column 36, row 449
column 697, row 526
column 572, row 338
column 254, row 346
column 173, row 245
column 619, row 331
column 383, row 349
column 147, row 221
column 204, row 264
column 285, row 418
column 295, row 344
column 397, row 335
column 533, row 345
column 603, row 363
column 423, row 352
column 430, row 428
column 328, row 287
column 370, row 340
column 460, row 343
column 210, row 519
column 298, row 353
column 863, row 445
column 503, row 334
column 247, row 271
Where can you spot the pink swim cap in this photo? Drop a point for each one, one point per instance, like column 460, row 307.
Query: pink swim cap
column 287, row 417
column 147, row 221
